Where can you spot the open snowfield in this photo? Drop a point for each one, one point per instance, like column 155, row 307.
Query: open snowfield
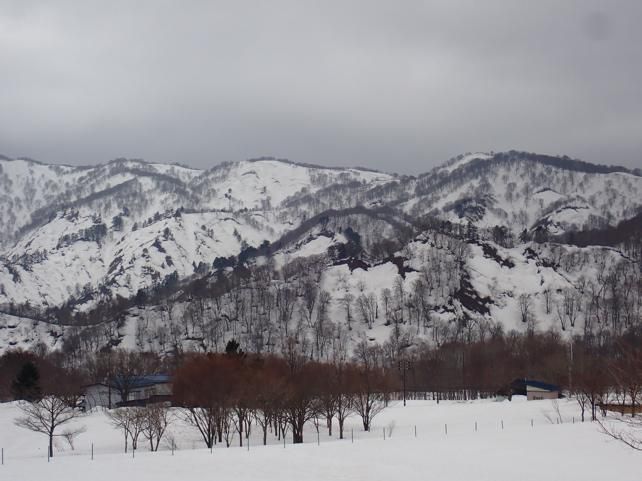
column 567, row 451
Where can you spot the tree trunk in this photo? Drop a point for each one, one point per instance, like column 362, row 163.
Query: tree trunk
column 297, row 433
column 365, row 418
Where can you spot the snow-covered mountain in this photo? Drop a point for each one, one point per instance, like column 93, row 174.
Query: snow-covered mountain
column 117, row 228
column 452, row 244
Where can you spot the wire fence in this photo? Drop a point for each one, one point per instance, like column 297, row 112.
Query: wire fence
column 182, row 437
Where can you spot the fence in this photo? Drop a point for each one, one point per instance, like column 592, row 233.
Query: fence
column 353, row 433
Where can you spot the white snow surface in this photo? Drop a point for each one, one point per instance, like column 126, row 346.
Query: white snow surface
column 462, row 160
column 568, row 451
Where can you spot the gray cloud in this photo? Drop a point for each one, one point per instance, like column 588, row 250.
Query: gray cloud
column 392, row 85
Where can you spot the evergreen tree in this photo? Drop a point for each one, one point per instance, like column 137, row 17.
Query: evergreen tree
column 233, row 348
column 26, row 385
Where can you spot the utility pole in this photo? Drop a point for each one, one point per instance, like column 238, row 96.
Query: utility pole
column 109, row 354
column 404, row 365
column 570, row 364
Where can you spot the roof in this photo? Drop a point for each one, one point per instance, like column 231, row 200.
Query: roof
column 526, row 383
column 541, row 385
column 142, row 381
column 136, row 382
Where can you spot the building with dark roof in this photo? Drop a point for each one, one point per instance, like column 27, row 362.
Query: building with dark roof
column 141, row 390
column 534, row 390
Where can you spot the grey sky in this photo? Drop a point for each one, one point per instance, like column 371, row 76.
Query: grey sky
column 398, row 85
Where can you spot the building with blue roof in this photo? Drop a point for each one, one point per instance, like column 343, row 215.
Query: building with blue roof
column 129, row 391
column 534, row 390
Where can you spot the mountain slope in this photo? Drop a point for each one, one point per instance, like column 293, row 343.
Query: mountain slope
column 377, row 254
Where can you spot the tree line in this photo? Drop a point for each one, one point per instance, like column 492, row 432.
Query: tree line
column 226, row 396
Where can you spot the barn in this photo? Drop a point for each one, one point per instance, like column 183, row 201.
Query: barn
column 142, row 390
column 534, row 390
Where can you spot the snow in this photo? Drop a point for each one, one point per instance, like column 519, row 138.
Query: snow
column 248, row 202
column 23, row 333
column 570, row 451
column 521, row 193
column 547, row 196
column 117, row 262
column 313, row 246
column 451, row 166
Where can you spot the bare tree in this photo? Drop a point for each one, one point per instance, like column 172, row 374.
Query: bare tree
column 127, row 368
column 205, row 419
column 568, row 309
column 300, row 398
column 130, row 421
column 120, row 420
column 310, row 293
column 625, row 430
column 547, row 300
column 367, row 305
column 386, row 297
column 368, row 385
column 346, row 303
column 322, row 327
column 343, row 399
column 156, row 419
column 202, row 386
column 46, row 415
column 525, row 307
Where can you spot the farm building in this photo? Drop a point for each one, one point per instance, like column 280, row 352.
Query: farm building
column 534, row 390
column 139, row 391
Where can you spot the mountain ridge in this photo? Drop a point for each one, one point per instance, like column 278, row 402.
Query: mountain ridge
column 128, row 230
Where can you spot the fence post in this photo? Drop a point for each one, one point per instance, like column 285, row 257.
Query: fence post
column 475, row 426
column 415, row 430
column 531, row 422
column 92, row 451
column 352, row 435
column 446, row 429
column 502, row 424
column 384, row 433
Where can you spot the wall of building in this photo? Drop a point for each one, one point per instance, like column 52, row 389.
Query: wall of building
column 98, row 394
column 537, row 395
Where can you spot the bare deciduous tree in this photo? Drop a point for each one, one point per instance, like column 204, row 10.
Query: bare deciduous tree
column 130, row 421
column 525, row 307
column 368, row 384
column 46, row 415
column 625, row 430
column 367, row 305
column 156, row 419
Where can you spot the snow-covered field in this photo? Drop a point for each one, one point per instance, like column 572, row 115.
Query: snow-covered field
column 566, row 451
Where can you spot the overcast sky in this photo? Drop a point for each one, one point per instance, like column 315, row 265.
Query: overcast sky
column 399, row 85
